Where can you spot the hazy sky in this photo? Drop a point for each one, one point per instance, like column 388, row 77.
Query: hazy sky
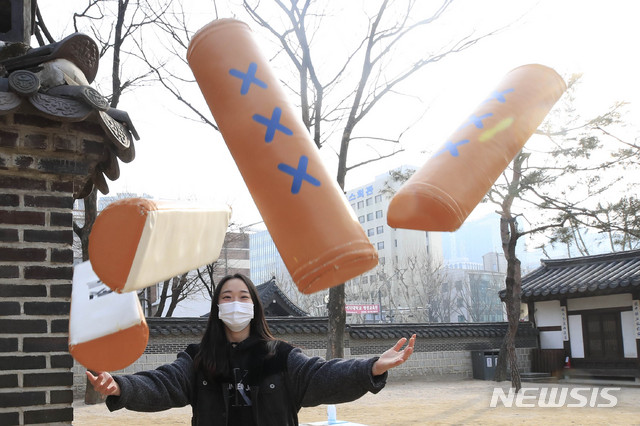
column 181, row 159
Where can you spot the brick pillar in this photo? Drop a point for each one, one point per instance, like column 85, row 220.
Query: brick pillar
column 42, row 164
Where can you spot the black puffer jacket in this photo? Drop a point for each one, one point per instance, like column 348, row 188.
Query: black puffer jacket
column 280, row 385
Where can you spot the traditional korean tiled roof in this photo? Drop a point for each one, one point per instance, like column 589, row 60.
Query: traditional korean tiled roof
column 597, row 275
column 54, row 81
column 446, row 330
column 177, row 326
column 275, row 302
column 319, row 325
column 302, row 325
column 196, row 326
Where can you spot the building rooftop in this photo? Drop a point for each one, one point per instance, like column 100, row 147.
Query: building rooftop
column 597, row 275
column 275, row 303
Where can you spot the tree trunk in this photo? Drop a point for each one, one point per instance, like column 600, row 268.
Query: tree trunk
column 513, row 317
column 337, row 320
column 177, row 288
column 501, row 367
column 508, row 348
column 90, row 214
column 513, row 283
column 163, row 297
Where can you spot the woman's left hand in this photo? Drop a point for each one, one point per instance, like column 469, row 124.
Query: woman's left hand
column 394, row 356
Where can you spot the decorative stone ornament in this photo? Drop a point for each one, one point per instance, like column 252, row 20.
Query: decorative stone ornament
column 54, row 80
column 111, row 167
column 60, row 108
column 123, row 117
column 77, row 48
column 100, row 182
column 119, row 135
column 9, row 102
column 24, row 83
column 86, row 94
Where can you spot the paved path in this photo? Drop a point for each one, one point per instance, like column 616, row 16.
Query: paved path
column 419, row 402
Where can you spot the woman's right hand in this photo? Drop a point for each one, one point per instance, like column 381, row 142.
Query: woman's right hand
column 104, row 384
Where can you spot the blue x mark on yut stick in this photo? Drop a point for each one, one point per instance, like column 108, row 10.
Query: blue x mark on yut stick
column 248, row 78
column 299, row 175
column 498, row 96
column 452, row 147
column 476, row 121
column 272, row 124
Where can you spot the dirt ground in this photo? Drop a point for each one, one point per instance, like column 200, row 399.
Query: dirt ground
column 419, row 402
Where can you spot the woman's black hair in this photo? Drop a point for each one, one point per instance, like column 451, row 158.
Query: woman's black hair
column 212, row 356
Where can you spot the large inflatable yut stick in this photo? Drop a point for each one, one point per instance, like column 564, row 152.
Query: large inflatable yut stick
column 441, row 195
column 107, row 330
column 316, row 232
column 136, row 242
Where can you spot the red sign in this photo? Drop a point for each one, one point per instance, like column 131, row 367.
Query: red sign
column 362, row 309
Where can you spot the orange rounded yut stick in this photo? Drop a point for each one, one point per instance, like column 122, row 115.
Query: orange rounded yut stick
column 441, row 195
column 114, row 351
column 316, row 232
column 107, row 330
column 136, row 242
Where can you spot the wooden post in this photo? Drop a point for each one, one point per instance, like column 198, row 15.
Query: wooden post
column 636, row 296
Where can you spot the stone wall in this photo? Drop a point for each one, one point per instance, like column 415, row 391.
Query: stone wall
column 42, row 162
column 447, row 356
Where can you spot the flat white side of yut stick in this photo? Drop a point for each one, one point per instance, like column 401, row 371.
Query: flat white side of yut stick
column 96, row 310
column 175, row 241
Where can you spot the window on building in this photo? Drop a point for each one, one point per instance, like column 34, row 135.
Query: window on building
column 378, row 198
column 353, row 206
column 369, row 201
column 364, row 279
column 371, row 232
column 461, row 318
column 361, row 219
column 380, row 229
column 360, row 204
column 369, row 216
column 380, row 245
column 381, row 260
column 373, row 278
column 378, row 214
column 396, row 243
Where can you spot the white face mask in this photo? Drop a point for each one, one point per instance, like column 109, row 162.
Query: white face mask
column 235, row 315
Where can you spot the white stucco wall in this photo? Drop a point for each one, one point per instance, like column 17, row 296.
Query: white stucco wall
column 551, row 340
column 547, row 313
column 627, row 322
column 599, row 302
column 575, row 336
